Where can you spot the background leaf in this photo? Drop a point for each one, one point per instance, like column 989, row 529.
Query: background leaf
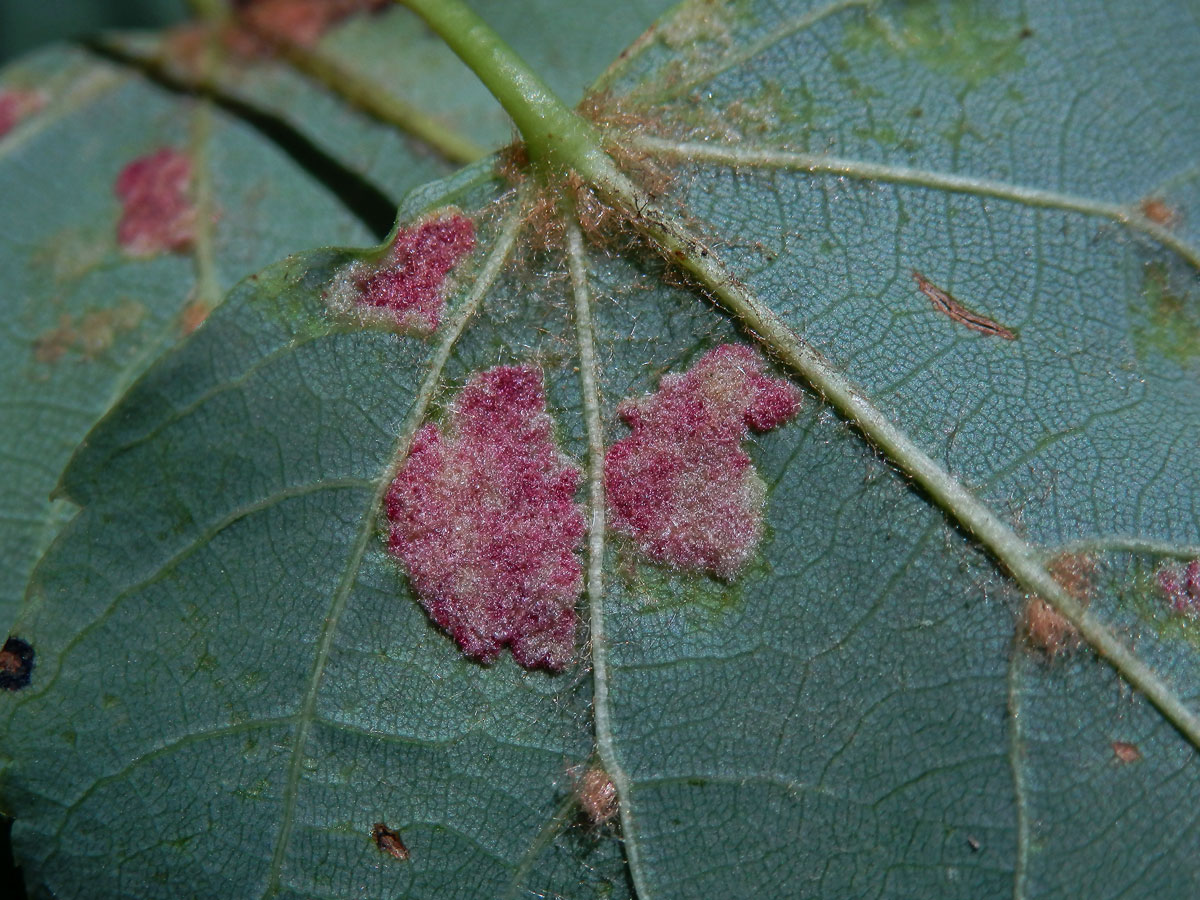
column 856, row 714
column 85, row 319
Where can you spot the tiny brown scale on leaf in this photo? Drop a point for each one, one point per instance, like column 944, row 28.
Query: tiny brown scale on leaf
column 1126, row 752
column 16, row 664
column 1042, row 626
column 389, row 842
column 943, row 302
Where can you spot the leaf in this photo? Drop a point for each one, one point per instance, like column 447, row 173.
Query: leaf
column 234, row 681
column 265, row 206
column 85, row 318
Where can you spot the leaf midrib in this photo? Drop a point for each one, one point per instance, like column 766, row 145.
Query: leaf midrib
column 606, row 745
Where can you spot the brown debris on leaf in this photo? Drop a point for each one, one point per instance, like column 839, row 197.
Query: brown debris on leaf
column 946, row 304
column 1125, row 752
column 1042, row 626
column 597, row 796
column 16, row 664
column 389, row 842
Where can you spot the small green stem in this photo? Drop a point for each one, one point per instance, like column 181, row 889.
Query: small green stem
column 554, row 134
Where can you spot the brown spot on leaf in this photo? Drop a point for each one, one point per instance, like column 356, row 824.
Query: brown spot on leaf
column 16, row 664
column 1126, row 752
column 157, row 215
column 1046, row 630
column 1042, row 626
column 89, row 335
column 389, row 841
column 50, row 346
column 1157, row 211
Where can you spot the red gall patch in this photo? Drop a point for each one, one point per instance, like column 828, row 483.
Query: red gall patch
column 680, row 485
column 483, row 515
column 408, row 287
column 157, row 214
column 16, row 105
column 1181, row 585
column 300, row 22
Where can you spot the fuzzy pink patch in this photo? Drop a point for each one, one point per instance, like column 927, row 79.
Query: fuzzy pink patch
column 680, row 485
column 16, row 105
column 411, row 281
column 485, row 519
column 157, row 214
column 1182, row 586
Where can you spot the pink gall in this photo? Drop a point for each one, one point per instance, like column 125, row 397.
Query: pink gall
column 17, row 105
column 484, row 518
column 1181, row 585
column 681, row 485
column 157, row 213
column 409, row 286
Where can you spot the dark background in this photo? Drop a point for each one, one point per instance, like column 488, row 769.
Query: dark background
column 26, row 24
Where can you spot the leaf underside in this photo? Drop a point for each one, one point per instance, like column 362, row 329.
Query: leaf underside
column 234, row 681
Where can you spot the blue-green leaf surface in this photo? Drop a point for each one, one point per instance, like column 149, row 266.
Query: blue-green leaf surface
column 234, row 681
column 84, row 319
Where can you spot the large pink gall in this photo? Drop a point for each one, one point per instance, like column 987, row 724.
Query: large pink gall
column 157, row 214
column 680, row 485
column 484, row 517
column 410, row 283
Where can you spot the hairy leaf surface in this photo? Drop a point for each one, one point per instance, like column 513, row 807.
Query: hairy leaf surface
column 981, row 215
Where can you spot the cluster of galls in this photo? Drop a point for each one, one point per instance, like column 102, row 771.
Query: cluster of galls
column 483, row 511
